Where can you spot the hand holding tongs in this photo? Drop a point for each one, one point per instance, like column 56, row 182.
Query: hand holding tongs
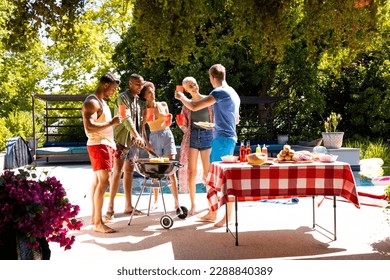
column 153, row 153
column 150, row 151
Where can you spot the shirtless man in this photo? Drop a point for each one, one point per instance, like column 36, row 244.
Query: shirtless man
column 98, row 126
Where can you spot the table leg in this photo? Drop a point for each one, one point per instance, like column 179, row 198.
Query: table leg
column 226, row 217
column 236, row 224
column 334, row 220
column 314, row 212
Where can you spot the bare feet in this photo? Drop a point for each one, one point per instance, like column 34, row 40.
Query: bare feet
column 136, row 212
column 102, row 228
column 211, row 216
column 192, row 211
column 108, row 217
column 154, row 206
column 222, row 222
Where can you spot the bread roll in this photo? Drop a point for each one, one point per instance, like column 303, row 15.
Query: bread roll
column 256, row 158
column 286, row 154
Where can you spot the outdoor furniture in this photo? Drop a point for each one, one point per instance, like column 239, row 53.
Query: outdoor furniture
column 60, row 108
column 61, row 149
column 280, row 180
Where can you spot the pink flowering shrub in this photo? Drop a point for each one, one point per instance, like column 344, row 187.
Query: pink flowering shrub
column 37, row 208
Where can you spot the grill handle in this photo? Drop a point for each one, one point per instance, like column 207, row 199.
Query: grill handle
column 178, row 164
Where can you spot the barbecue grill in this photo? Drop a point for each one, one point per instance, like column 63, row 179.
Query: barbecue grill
column 156, row 174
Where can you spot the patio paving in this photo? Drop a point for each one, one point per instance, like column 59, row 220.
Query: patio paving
column 267, row 230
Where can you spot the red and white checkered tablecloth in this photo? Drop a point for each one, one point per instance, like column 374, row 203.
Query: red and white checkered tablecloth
column 280, row 180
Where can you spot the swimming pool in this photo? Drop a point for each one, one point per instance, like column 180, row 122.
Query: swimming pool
column 200, row 188
column 138, row 181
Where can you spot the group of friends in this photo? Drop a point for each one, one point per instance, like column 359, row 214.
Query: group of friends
column 114, row 142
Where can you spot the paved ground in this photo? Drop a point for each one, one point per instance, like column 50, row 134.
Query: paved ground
column 271, row 230
column 271, row 234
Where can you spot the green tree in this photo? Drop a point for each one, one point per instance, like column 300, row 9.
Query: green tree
column 28, row 20
column 55, row 47
column 270, row 48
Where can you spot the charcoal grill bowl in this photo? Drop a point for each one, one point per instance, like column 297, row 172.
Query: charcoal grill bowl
column 156, row 169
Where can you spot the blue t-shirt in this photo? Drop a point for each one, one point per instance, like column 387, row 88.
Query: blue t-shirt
column 226, row 111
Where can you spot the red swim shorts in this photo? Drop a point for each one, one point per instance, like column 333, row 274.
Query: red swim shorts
column 101, row 157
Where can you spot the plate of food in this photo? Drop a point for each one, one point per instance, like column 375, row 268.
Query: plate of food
column 229, row 158
column 304, row 161
column 328, row 158
column 256, row 159
column 205, row 124
column 284, row 161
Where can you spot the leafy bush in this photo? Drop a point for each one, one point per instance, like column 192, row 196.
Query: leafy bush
column 371, row 149
column 19, row 123
column 387, row 192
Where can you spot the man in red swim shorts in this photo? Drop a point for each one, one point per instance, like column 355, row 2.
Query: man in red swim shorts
column 98, row 126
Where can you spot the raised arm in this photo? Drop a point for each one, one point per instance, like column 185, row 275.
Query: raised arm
column 195, row 105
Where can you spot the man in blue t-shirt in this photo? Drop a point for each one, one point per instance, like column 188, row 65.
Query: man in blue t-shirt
column 226, row 105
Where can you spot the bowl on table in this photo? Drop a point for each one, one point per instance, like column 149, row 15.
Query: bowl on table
column 229, row 158
column 328, row 158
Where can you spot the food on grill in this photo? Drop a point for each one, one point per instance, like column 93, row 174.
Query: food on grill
column 159, row 160
column 286, row 154
column 156, row 160
column 257, row 158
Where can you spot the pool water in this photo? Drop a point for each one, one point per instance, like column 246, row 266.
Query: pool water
column 361, row 180
column 365, row 181
column 139, row 181
column 201, row 188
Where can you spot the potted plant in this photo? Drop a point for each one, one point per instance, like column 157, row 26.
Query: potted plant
column 331, row 137
column 34, row 211
column 282, row 131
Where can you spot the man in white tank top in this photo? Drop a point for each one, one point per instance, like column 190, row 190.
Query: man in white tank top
column 98, row 126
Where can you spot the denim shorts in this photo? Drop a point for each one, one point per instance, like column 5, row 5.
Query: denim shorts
column 200, row 138
column 163, row 142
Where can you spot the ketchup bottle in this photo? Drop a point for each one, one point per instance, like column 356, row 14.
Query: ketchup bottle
column 242, row 152
column 248, row 148
column 264, row 150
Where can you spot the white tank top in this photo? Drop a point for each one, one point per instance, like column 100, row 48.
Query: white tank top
column 105, row 136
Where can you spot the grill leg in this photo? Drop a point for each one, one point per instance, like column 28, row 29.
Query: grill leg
column 162, row 196
column 150, row 197
column 136, row 204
